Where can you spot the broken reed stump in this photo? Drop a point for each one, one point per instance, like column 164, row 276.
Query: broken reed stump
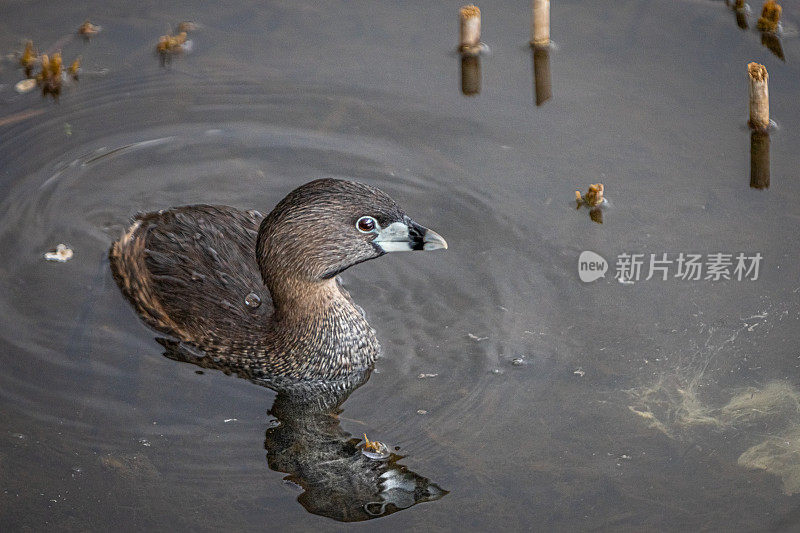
column 759, row 97
column 469, row 29
column 759, row 122
column 770, row 16
column 540, row 23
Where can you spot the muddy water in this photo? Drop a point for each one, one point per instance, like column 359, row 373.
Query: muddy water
column 556, row 404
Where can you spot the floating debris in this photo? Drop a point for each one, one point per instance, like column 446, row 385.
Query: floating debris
column 592, row 198
column 89, row 30
column 579, row 372
column 62, row 254
column 52, row 74
column 186, row 26
column 375, row 449
column 25, row 86
column 424, row 376
column 74, row 68
column 170, row 45
column 476, row 338
column 422, row 412
column 770, row 16
column 28, row 58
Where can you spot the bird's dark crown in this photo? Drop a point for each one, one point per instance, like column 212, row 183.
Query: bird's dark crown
column 311, row 234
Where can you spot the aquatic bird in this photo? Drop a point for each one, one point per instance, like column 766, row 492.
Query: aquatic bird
column 259, row 295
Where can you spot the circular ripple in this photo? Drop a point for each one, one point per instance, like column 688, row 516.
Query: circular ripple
column 175, row 141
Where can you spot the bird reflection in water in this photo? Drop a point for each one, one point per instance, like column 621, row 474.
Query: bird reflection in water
column 307, row 442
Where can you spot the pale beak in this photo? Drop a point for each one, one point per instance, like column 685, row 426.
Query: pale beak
column 407, row 236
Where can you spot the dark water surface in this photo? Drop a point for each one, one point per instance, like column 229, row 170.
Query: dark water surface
column 657, row 405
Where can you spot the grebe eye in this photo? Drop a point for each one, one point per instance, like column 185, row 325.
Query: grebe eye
column 366, row 224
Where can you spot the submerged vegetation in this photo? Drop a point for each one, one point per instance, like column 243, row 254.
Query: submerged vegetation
column 89, row 30
column 28, row 58
column 593, row 197
column 770, row 16
column 170, row 45
column 764, row 421
column 51, row 75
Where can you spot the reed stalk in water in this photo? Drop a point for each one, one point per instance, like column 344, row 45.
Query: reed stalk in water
column 759, row 97
column 470, row 29
column 540, row 23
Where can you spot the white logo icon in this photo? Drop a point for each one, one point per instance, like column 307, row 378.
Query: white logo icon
column 591, row 266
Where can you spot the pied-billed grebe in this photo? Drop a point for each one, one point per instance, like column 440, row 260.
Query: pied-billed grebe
column 260, row 294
